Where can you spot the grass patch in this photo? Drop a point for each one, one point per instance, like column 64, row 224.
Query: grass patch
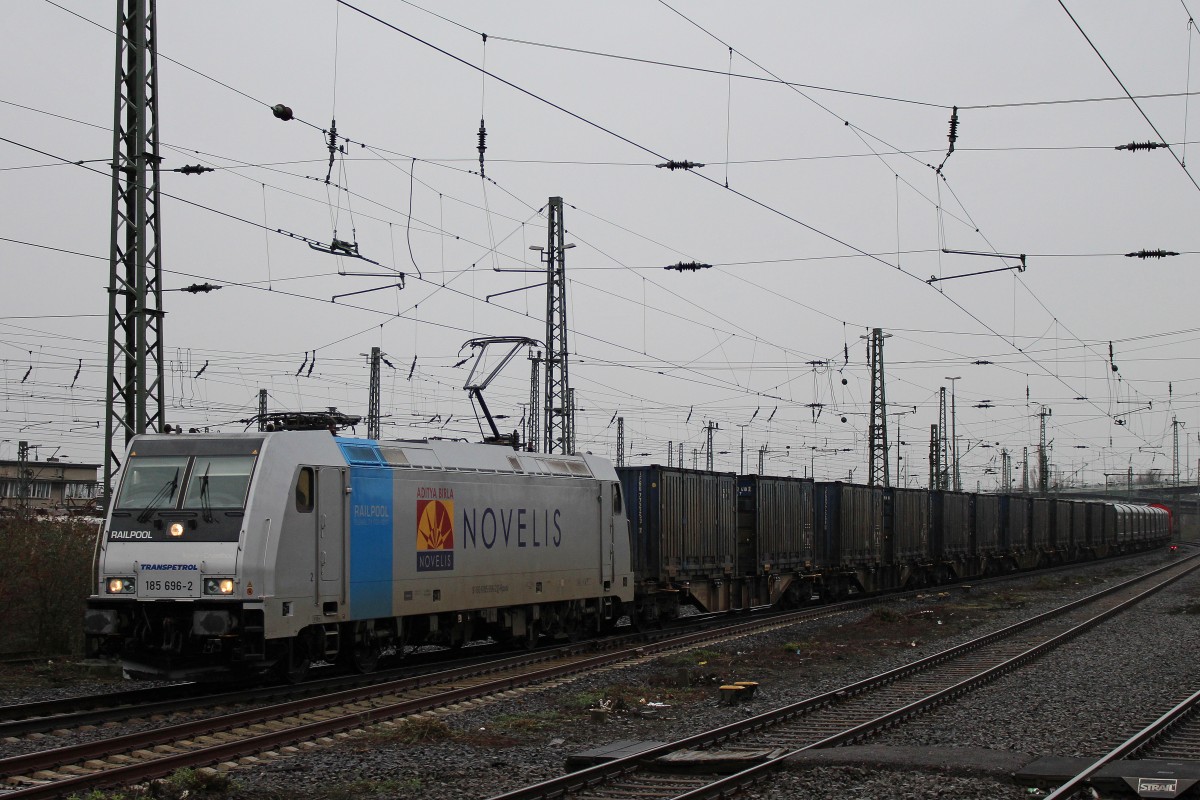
column 53, row 673
column 690, row 658
column 181, row 785
column 526, row 723
column 1191, row 609
column 1052, row 583
column 423, row 730
column 630, row 699
column 367, row 787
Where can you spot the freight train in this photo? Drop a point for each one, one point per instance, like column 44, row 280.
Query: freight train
column 249, row 553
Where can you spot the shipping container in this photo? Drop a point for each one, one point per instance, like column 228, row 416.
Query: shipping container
column 1079, row 524
column 1014, row 512
column 906, row 522
column 987, row 524
column 1042, row 523
column 1095, row 524
column 951, row 524
column 849, row 524
column 683, row 522
column 1063, row 529
column 775, row 524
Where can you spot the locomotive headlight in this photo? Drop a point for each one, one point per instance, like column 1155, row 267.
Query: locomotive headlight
column 121, row 586
column 218, row 585
column 177, row 529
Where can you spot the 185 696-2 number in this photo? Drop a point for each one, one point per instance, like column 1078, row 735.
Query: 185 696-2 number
column 168, row 586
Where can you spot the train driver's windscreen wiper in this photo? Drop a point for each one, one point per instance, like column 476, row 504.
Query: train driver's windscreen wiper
column 167, row 490
column 205, row 498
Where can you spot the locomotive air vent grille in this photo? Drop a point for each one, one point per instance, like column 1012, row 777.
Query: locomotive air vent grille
column 358, row 454
column 422, row 457
column 579, row 468
column 394, row 456
column 515, row 463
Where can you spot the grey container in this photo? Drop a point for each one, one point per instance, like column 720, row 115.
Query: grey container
column 987, row 524
column 906, row 521
column 1015, row 511
column 775, row 524
column 1063, row 524
column 683, row 522
column 849, row 524
column 1042, row 523
column 952, row 524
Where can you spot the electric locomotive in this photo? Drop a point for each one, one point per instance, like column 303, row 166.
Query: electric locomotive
column 259, row 551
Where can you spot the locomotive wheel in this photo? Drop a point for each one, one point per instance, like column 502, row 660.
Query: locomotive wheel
column 293, row 667
column 532, row 631
column 363, row 651
column 364, row 658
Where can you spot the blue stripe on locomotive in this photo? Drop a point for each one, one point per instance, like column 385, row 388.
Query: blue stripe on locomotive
column 371, row 515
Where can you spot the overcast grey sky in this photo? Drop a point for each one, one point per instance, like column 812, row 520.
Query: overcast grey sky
column 824, row 120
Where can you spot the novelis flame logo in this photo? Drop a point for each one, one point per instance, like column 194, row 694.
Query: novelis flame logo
column 435, row 531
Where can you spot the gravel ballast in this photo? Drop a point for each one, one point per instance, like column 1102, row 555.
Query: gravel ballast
column 1067, row 704
column 1074, row 701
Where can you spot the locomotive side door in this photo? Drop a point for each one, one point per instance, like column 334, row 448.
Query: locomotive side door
column 331, row 529
column 610, row 499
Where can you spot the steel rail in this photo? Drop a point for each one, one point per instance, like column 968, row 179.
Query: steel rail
column 23, row 718
column 48, row 760
column 1145, row 736
column 602, row 773
column 758, row 772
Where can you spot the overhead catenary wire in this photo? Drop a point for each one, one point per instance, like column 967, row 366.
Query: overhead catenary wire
column 853, row 256
column 289, row 234
column 1128, row 94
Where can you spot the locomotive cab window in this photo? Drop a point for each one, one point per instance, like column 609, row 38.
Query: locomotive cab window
column 616, row 498
column 152, row 481
column 219, row 482
column 305, row 484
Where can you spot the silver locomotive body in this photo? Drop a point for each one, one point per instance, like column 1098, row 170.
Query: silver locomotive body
column 242, row 552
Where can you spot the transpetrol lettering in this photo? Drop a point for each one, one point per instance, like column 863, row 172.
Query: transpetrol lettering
column 171, row 567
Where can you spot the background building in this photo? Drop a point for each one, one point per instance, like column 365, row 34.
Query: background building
column 49, row 484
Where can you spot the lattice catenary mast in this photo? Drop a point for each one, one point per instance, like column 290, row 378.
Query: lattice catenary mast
column 558, row 425
column 878, row 433
column 134, row 400
column 620, row 441
column 373, row 401
column 943, row 444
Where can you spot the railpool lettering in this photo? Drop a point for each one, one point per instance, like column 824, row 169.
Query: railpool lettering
column 365, row 511
column 512, row 527
column 130, row 535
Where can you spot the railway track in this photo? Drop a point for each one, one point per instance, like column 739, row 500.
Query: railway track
column 268, row 731
column 323, row 709
column 142, row 703
column 1153, row 762
column 699, row 766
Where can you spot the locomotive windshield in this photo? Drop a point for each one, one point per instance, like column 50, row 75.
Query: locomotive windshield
column 152, row 481
column 218, row 482
column 203, row 482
